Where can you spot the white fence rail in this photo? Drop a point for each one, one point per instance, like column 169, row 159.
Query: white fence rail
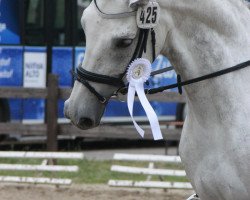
column 150, row 184
column 44, row 155
column 147, row 158
column 35, row 180
column 41, row 168
column 150, row 171
column 38, row 168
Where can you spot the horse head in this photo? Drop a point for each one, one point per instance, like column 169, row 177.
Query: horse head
column 111, row 40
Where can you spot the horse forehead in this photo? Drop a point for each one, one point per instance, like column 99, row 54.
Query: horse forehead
column 114, row 6
column 91, row 17
column 106, row 6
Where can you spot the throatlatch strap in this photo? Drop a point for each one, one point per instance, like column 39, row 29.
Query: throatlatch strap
column 144, row 43
column 153, row 40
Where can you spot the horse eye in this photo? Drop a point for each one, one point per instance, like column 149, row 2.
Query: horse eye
column 123, row 43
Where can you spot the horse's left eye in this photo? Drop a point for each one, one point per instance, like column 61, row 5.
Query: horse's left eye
column 123, row 43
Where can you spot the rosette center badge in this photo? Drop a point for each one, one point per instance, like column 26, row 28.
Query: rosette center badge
column 138, row 72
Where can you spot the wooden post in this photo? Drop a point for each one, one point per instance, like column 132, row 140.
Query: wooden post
column 51, row 113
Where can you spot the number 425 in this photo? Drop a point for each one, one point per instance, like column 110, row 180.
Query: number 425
column 149, row 16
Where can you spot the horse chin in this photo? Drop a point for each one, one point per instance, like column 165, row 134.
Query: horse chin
column 86, row 124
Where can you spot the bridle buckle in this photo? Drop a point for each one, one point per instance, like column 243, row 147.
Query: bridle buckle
column 104, row 101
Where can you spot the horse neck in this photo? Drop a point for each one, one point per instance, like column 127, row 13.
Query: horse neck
column 202, row 37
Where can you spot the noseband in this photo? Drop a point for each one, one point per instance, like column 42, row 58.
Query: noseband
column 84, row 76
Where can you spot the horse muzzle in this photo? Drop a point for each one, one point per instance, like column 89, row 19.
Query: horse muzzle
column 83, row 118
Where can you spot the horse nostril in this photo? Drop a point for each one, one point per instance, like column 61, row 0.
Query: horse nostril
column 86, row 123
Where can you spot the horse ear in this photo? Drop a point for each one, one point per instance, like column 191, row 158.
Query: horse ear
column 135, row 3
column 248, row 5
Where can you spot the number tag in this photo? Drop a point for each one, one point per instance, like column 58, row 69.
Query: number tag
column 148, row 16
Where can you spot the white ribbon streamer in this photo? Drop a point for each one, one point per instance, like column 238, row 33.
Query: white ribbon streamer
column 138, row 73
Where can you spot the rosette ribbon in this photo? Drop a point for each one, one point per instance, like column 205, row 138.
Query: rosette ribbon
column 138, row 73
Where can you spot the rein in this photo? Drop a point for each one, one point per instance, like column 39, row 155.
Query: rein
column 83, row 76
column 179, row 83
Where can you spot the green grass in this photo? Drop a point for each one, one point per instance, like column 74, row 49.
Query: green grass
column 91, row 171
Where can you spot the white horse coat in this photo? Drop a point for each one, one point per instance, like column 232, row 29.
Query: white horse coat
column 198, row 37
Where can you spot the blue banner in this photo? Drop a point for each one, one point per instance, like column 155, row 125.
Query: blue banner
column 79, row 55
column 34, row 77
column 9, row 22
column 11, row 74
column 11, row 66
column 62, row 63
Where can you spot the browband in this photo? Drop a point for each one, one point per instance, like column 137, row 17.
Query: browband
column 114, row 15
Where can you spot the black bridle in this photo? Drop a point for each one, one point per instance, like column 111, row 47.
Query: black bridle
column 84, row 76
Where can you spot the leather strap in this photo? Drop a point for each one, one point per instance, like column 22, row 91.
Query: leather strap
column 180, row 83
column 90, row 88
column 99, row 78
